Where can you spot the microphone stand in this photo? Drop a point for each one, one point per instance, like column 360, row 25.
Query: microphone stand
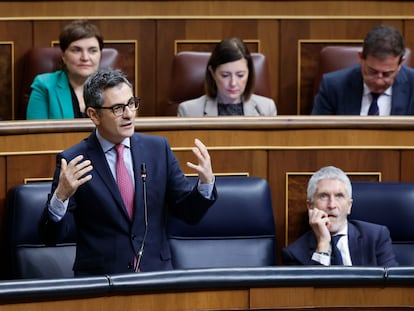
column 144, row 188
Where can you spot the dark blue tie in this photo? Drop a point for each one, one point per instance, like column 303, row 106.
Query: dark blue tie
column 373, row 109
column 336, row 258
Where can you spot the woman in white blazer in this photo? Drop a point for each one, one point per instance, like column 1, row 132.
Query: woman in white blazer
column 229, row 86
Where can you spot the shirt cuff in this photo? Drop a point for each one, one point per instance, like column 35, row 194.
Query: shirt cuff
column 57, row 208
column 322, row 258
column 206, row 190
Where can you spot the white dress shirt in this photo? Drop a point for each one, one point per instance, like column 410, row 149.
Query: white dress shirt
column 384, row 102
column 325, row 259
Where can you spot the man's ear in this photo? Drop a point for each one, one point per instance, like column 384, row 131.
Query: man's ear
column 360, row 57
column 93, row 115
column 350, row 206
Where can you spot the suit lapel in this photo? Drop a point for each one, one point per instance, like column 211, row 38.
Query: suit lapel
column 210, row 109
column 64, row 96
column 312, row 247
column 140, row 155
column 355, row 245
column 249, row 108
column 399, row 95
column 355, row 91
column 101, row 168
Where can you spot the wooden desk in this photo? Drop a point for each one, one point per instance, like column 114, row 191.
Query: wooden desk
column 265, row 288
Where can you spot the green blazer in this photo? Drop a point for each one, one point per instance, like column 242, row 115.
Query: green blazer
column 50, row 97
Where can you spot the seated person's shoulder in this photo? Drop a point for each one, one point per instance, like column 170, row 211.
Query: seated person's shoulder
column 192, row 107
column 408, row 70
column 263, row 99
column 49, row 76
column 343, row 73
column 367, row 227
column 267, row 106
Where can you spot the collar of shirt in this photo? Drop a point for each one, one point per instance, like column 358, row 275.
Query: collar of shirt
column 107, row 145
column 367, row 91
column 110, row 155
column 384, row 102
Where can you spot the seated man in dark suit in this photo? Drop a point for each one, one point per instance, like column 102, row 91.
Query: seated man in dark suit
column 379, row 85
column 335, row 240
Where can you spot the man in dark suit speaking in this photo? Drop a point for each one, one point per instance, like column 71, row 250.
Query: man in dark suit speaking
column 380, row 85
column 117, row 184
column 335, row 240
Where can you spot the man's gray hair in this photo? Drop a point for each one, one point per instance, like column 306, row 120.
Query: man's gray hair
column 328, row 172
column 98, row 82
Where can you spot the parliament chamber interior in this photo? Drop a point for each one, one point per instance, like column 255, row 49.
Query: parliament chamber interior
column 274, row 154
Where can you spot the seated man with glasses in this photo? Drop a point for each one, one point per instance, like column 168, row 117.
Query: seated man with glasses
column 116, row 185
column 333, row 239
column 379, row 85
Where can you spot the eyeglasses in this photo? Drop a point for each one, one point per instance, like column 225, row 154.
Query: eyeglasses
column 119, row 109
column 373, row 74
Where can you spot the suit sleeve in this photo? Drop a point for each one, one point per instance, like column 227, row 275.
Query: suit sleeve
column 324, row 104
column 52, row 231
column 37, row 107
column 181, row 111
column 384, row 251
column 271, row 109
column 288, row 259
column 292, row 257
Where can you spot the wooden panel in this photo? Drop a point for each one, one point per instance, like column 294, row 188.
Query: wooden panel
column 279, row 26
column 172, row 8
column 175, row 301
column 16, row 40
column 407, row 163
column 29, row 166
column 252, row 162
column 284, row 298
column 332, row 296
column 209, row 45
column 6, row 80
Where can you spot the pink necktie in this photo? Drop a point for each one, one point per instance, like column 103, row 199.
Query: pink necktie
column 124, row 180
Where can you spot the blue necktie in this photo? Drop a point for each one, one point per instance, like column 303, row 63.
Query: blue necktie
column 336, row 258
column 373, row 109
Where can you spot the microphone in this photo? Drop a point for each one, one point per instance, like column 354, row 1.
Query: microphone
column 144, row 194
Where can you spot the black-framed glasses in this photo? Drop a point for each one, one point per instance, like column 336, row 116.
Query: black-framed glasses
column 119, row 109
